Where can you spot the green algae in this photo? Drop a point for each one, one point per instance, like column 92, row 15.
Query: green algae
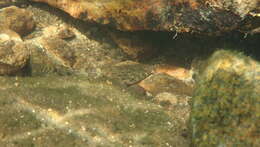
column 225, row 106
column 104, row 109
column 15, row 122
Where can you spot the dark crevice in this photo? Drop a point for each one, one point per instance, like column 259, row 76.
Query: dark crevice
column 182, row 46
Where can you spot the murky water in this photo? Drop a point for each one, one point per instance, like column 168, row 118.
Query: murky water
column 99, row 102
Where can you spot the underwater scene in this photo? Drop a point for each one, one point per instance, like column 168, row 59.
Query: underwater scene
column 127, row 73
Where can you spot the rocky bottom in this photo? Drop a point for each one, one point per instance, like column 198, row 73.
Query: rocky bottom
column 88, row 85
column 79, row 88
column 73, row 111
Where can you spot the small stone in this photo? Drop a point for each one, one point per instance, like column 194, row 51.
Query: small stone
column 176, row 72
column 160, row 82
column 127, row 73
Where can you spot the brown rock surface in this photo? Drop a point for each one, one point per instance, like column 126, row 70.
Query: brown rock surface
column 176, row 72
column 204, row 16
column 158, row 83
column 17, row 19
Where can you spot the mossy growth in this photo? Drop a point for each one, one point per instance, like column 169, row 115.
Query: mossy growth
column 225, row 107
column 92, row 108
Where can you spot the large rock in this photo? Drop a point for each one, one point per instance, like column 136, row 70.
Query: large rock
column 226, row 102
column 17, row 19
column 204, row 16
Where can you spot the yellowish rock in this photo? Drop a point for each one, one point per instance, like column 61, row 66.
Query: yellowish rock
column 17, row 19
column 13, row 52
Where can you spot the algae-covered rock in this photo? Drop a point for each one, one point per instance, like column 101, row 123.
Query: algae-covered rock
column 226, row 102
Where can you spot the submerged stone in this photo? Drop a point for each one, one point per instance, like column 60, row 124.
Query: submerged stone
column 17, row 19
column 160, row 82
column 203, row 16
column 226, row 102
column 14, row 54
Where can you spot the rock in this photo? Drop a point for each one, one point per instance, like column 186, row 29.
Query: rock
column 17, row 19
column 226, row 102
column 158, row 83
column 62, row 32
column 127, row 73
column 135, row 45
column 176, row 72
column 59, row 50
column 14, row 54
column 51, row 50
column 207, row 16
column 43, row 64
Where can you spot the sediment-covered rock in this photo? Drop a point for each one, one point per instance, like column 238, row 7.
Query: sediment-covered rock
column 161, row 82
column 51, row 53
column 203, row 16
column 59, row 50
column 17, row 19
column 13, row 52
column 226, row 102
